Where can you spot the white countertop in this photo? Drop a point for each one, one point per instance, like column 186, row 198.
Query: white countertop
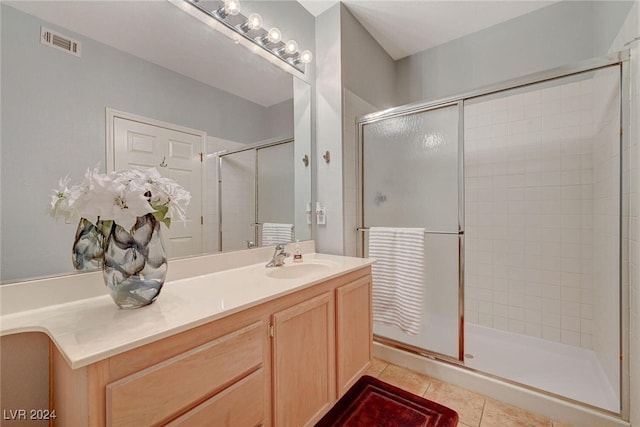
column 91, row 329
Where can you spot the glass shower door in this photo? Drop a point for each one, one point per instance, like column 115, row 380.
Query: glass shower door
column 275, row 184
column 256, row 186
column 237, row 203
column 411, row 178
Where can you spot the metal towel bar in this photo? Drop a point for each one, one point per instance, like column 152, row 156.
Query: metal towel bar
column 456, row 233
column 260, row 224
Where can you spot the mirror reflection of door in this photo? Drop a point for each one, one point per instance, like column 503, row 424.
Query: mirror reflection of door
column 175, row 153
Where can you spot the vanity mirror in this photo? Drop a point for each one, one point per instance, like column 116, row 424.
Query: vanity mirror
column 138, row 63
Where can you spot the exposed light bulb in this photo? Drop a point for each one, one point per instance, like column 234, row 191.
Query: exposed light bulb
column 254, row 22
column 274, row 35
column 306, row 56
column 291, row 47
column 232, row 7
column 270, row 41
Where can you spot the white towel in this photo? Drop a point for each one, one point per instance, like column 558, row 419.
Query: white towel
column 398, row 276
column 273, row 233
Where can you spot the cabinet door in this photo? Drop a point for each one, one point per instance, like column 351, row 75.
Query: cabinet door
column 354, row 332
column 304, row 361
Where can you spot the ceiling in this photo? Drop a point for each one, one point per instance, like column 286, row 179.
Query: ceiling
column 403, row 28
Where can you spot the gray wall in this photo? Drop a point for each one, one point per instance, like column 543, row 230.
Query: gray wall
column 609, row 19
column 329, row 130
column 367, row 69
column 279, row 120
column 560, row 34
column 53, row 124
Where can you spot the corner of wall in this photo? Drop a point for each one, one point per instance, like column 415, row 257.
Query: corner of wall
column 367, row 69
column 329, row 236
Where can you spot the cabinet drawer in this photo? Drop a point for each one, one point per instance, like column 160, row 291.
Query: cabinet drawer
column 242, row 404
column 157, row 393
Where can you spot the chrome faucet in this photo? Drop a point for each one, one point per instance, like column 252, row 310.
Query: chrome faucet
column 278, row 256
column 250, row 244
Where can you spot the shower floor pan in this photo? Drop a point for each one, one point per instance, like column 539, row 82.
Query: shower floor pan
column 557, row 368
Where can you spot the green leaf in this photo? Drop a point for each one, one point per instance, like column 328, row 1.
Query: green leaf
column 160, row 213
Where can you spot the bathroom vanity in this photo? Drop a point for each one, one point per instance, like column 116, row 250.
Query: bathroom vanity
column 243, row 346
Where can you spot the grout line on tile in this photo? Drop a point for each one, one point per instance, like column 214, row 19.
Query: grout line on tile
column 484, row 405
column 381, row 372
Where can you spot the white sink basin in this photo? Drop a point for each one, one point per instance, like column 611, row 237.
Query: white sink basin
column 295, row 271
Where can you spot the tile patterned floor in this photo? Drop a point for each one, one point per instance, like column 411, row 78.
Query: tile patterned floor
column 474, row 410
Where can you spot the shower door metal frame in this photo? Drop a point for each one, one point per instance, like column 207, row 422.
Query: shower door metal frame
column 625, row 142
column 368, row 119
column 620, row 59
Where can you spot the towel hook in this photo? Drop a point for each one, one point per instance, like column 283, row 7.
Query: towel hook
column 327, row 156
column 163, row 163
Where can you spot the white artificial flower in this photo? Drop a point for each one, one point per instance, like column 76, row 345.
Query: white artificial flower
column 178, row 199
column 120, row 196
column 59, row 206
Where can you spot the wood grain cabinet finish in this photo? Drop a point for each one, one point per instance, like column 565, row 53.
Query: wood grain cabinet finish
column 242, row 404
column 200, row 370
column 354, row 332
column 281, row 363
column 154, row 395
column 304, row 362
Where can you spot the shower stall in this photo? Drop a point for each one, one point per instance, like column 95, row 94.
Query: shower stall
column 256, row 185
column 522, row 190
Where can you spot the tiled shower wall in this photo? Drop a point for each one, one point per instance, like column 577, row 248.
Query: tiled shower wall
column 238, row 195
column 240, row 181
column 529, row 211
column 238, row 200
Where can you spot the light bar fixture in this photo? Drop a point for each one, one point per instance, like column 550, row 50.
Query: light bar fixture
column 253, row 22
column 228, row 13
column 229, row 7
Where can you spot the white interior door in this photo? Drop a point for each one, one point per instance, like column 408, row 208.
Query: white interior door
column 176, row 153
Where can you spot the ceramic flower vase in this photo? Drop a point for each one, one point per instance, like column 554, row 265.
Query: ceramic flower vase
column 87, row 247
column 135, row 263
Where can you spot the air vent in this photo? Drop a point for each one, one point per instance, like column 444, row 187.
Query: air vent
column 58, row 41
